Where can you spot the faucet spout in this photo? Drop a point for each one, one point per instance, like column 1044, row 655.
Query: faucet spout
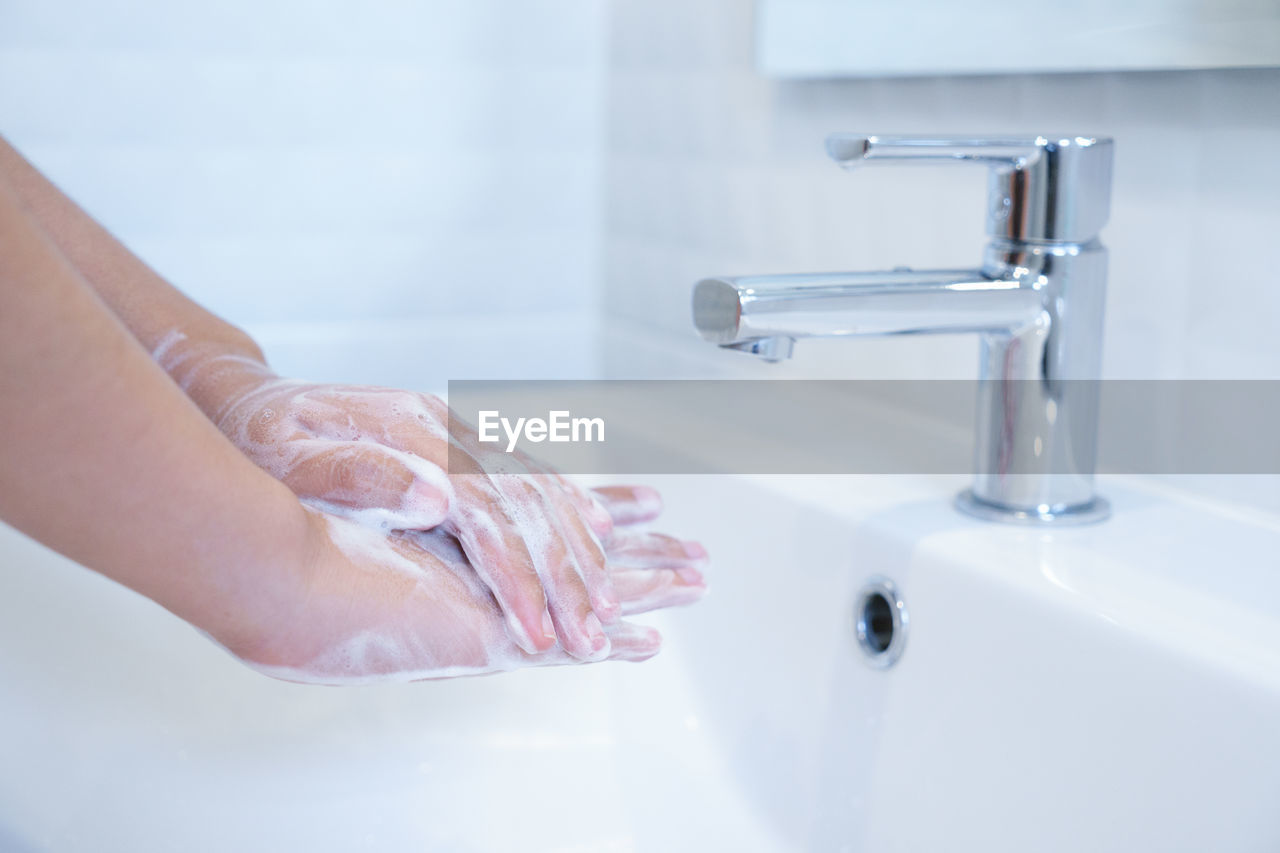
column 733, row 312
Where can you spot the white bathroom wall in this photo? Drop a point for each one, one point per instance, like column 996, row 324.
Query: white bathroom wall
column 293, row 162
column 713, row 169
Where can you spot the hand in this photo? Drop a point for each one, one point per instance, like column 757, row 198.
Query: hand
column 379, row 456
column 280, row 583
column 408, row 605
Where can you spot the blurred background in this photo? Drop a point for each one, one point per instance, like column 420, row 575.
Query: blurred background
column 480, row 188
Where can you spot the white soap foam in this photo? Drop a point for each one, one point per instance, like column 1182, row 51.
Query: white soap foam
column 446, row 626
column 291, row 427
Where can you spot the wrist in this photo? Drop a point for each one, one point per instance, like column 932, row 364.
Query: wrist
column 259, row 592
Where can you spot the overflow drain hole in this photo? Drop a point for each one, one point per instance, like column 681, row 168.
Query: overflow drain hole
column 880, row 618
column 877, row 616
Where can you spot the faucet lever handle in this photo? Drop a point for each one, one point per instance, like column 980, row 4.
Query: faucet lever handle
column 850, row 150
column 1042, row 188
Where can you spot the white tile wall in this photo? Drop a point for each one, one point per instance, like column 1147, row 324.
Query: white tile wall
column 318, row 162
column 325, row 163
column 285, row 161
column 713, row 169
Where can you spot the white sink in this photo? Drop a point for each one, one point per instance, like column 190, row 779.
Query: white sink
column 1105, row 688
column 1102, row 688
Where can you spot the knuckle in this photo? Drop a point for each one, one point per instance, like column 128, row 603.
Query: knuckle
column 595, row 559
column 344, row 471
column 367, row 471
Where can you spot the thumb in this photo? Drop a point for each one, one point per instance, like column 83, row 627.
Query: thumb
column 397, row 491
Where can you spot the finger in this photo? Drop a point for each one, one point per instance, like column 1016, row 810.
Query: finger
column 592, row 511
column 642, row 590
column 632, row 642
column 586, row 548
column 628, row 641
column 632, row 550
column 580, row 630
column 496, row 549
column 630, row 504
column 420, row 426
column 401, row 491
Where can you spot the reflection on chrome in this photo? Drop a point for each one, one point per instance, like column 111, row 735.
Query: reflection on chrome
column 1036, row 304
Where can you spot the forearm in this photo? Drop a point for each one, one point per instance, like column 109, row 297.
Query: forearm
column 103, row 459
column 148, row 305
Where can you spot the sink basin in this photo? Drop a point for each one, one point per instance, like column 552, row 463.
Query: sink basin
column 1114, row 687
column 1105, row 688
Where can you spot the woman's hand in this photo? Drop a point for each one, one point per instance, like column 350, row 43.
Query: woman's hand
column 105, row 461
column 379, row 456
column 407, row 605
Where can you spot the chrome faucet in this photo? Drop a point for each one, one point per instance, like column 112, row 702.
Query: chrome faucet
column 1036, row 304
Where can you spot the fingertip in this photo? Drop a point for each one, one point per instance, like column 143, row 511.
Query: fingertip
column 630, row 504
column 648, row 644
column 648, row 500
column 608, row 608
column 632, row 642
column 599, row 640
column 598, row 519
column 430, row 503
column 695, row 591
column 691, row 576
column 521, row 636
column 545, row 638
column 548, row 628
column 695, row 551
column 604, row 597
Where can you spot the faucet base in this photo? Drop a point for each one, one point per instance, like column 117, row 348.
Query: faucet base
column 1096, row 510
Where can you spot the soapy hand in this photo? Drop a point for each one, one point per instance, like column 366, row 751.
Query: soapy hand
column 407, row 605
column 378, row 456
column 385, row 567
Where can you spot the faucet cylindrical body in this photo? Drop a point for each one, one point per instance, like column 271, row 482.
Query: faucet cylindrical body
column 1035, row 448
